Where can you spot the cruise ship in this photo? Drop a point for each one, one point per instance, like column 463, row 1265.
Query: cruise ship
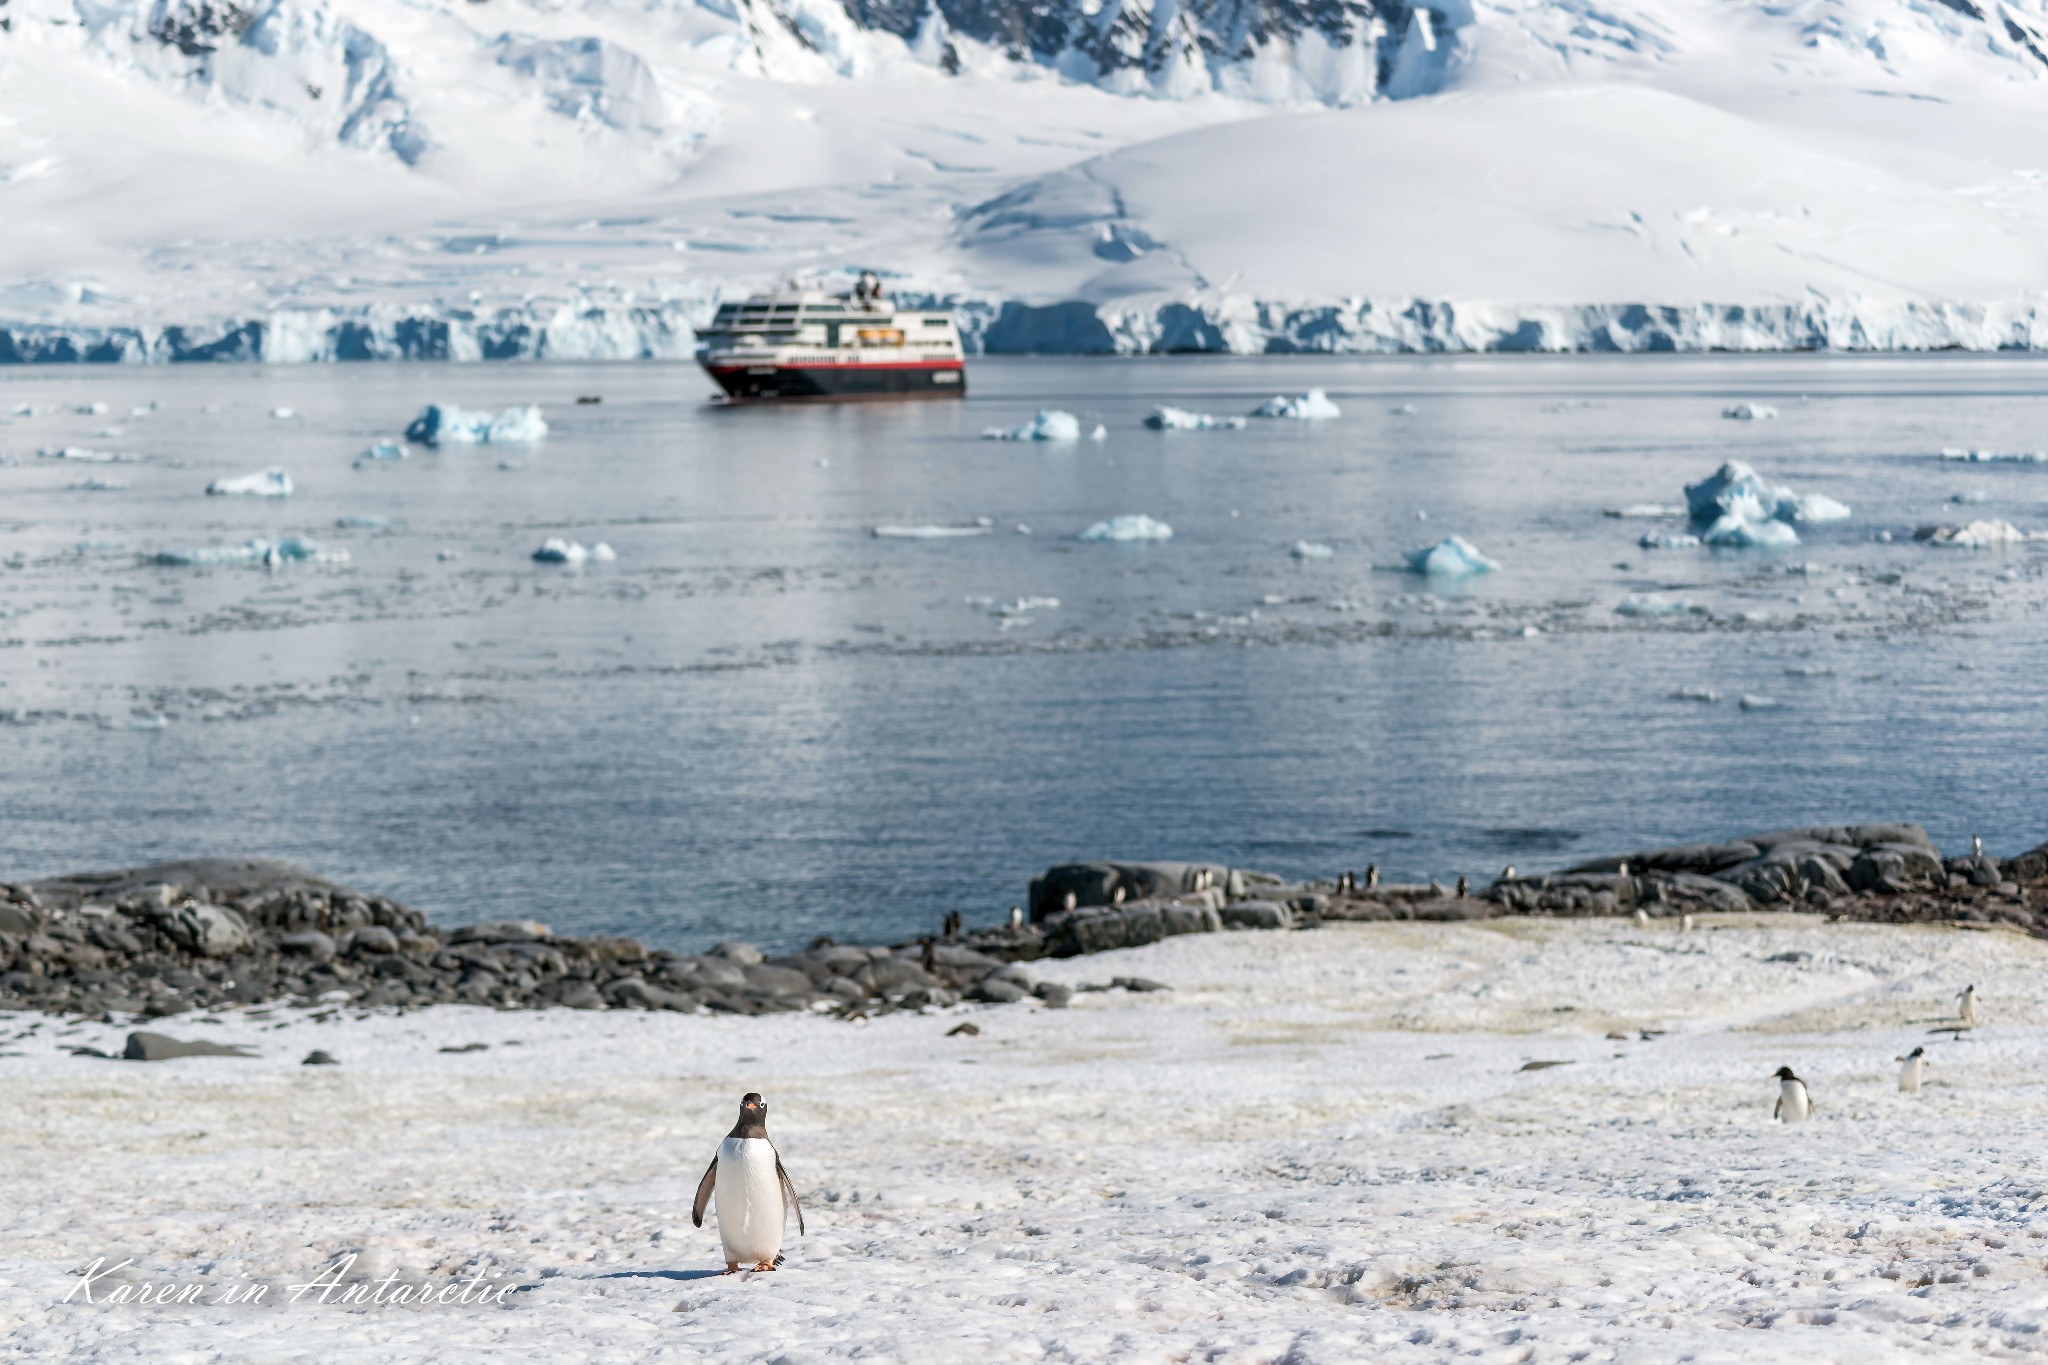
column 805, row 343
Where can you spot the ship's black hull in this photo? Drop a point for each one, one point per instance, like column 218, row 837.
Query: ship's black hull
column 756, row 382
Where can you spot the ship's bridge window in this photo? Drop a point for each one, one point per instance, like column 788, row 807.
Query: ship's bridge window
column 879, row 336
column 786, row 307
column 937, row 322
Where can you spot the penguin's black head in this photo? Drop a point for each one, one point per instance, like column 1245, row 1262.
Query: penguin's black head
column 1917, row 1052
column 1785, row 1074
column 753, row 1117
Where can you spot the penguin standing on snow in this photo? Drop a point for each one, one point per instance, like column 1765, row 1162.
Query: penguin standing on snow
column 1794, row 1104
column 1909, row 1074
column 1966, row 1007
column 753, row 1191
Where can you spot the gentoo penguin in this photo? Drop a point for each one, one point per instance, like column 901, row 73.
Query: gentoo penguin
column 1909, row 1074
column 1966, row 1007
column 1685, row 924
column 754, row 1193
column 1976, row 846
column 1372, row 876
column 1507, row 874
column 1016, row 917
column 1794, row 1104
column 1642, row 919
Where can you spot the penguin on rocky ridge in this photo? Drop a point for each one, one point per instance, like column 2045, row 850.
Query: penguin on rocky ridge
column 754, row 1193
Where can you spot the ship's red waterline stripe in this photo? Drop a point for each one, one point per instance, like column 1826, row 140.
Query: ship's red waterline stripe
column 858, row 367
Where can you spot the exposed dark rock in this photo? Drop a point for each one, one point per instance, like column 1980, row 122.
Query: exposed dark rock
column 318, row 1057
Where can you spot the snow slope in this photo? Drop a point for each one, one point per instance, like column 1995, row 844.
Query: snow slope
column 332, row 179
column 1320, row 1147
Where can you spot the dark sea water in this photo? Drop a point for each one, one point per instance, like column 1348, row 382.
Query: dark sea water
column 763, row 722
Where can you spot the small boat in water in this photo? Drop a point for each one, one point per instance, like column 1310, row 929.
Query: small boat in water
column 805, row 343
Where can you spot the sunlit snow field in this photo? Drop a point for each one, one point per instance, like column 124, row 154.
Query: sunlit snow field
column 1320, row 1147
column 763, row 722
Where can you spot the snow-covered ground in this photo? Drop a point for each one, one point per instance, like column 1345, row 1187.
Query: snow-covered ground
column 1319, row 1147
column 334, row 179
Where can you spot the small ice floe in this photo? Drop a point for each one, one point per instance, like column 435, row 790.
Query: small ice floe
column 1451, row 557
column 1808, row 671
column 1648, row 604
column 264, row 483
column 939, row 532
column 1691, row 693
column 1653, row 540
column 1973, row 495
column 1530, row 632
column 93, row 409
column 385, row 450
column 84, row 455
column 1403, row 410
column 158, row 721
column 438, row 425
column 292, row 549
column 99, row 485
column 22, row 410
column 1647, row 510
column 1180, row 419
column 1750, row 701
column 1994, row 456
column 1309, row 549
column 284, row 414
column 1739, row 509
column 1129, row 527
column 447, row 556
column 367, row 521
column 1978, row 535
column 555, row 550
column 1025, row 605
column 1313, row 406
column 146, row 410
column 1100, row 433
column 1050, row 424
column 1750, row 412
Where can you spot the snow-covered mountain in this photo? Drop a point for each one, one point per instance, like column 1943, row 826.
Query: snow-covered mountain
column 314, row 179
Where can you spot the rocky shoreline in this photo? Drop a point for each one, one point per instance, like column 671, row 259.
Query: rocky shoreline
column 216, row 933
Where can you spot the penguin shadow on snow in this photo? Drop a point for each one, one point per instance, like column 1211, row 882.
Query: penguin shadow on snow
column 662, row 1275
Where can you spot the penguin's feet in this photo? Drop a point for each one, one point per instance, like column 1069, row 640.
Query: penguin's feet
column 731, row 1268
column 765, row 1265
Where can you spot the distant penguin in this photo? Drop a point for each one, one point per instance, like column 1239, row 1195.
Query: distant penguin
column 1016, row 917
column 1685, row 924
column 1642, row 919
column 1069, row 901
column 1116, row 897
column 1507, row 874
column 1976, row 846
column 1794, row 1104
column 1966, row 1007
column 1464, row 888
column 1343, row 883
column 753, row 1191
column 1909, row 1074
column 1372, row 876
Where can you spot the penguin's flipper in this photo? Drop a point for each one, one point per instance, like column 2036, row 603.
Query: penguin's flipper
column 1777, row 1111
column 704, row 1190
column 789, row 1193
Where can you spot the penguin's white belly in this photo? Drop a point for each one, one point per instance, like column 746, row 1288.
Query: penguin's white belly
column 1792, row 1102
column 1909, row 1076
column 749, row 1201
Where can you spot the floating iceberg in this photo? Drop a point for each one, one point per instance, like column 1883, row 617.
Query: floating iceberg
column 1647, row 510
column 1740, row 509
column 1691, row 693
column 293, row 549
column 1453, row 555
column 1309, row 549
column 99, row 485
column 385, row 450
column 555, row 550
column 264, row 483
column 437, row 425
column 930, row 532
column 1180, row 419
column 1750, row 412
column 1100, row 433
column 1750, row 701
column 1131, row 526
column 1651, row 540
column 1644, row 604
column 1028, row 604
column 93, row 409
column 1978, row 535
column 1995, row 456
column 284, row 414
column 362, row 522
column 1313, row 406
column 1971, row 496
column 1403, row 410
column 22, row 410
column 1050, row 424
